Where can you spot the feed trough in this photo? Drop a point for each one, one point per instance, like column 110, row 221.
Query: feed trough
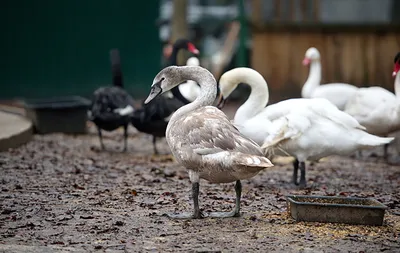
column 63, row 114
column 362, row 211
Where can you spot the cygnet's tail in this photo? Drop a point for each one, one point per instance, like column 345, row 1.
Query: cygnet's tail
column 370, row 140
column 252, row 160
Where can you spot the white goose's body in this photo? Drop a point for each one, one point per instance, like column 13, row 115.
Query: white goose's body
column 316, row 129
column 307, row 129
column 204, row 141
column 337, row 93
column 377, row 109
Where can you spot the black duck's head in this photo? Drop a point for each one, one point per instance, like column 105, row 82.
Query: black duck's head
column 186, row 44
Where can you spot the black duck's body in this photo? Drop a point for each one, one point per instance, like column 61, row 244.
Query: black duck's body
column 112, row 107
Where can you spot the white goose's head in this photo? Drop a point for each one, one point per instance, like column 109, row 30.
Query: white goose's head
column 396, row 68
column 312, row 54
column 227, row 84
column 232, row 78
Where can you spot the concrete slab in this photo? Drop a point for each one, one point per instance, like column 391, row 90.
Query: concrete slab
column 15, row 130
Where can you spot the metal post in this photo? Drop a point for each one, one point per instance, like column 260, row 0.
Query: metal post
column 241, row 56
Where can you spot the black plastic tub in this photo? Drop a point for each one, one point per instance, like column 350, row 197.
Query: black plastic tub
column 63, row 114
column 360, row 211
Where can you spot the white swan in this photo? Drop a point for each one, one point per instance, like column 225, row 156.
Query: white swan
column 376, row 108
column 189, row 89
column 337, row 93
column 308, row 129
column 202, row 138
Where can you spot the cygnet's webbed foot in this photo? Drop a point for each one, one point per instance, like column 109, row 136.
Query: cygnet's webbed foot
column 235, row 212
column 186, row 215
column 224, row 214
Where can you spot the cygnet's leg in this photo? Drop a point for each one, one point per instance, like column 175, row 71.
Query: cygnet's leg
column 302, row 167
column 100, row 137
column 235, row 212
column 125, row 138
column 195, row 179
column 196, row 213
column 154, row 145
column 295, row 170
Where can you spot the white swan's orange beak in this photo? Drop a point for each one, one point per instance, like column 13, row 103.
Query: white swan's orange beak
column 306, row 61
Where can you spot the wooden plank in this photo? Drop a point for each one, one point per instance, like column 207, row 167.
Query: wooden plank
column 327, row 28
column 316, row 10
column 292, row 10
column 303, row 8
column 227, row 49
column 359, row 58
column 370, row 68
column 277, row 11
column 256, row 6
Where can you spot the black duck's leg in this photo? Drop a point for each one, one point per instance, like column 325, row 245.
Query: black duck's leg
column 302, row 167
column 154, row 145
column 125, row 138
column 235, row 212
column 100, row 137
column 295, row 171
column 196, row 213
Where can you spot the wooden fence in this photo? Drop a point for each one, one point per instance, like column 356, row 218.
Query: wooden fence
column 358, row 54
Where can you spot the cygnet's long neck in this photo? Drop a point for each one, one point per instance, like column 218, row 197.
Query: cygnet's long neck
column 259, row 94
column 313, row 80
column 208, row 87
column 397, row 85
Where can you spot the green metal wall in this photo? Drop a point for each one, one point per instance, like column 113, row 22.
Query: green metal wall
column 61, row 47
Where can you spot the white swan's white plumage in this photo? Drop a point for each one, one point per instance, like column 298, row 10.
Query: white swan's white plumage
column 308, row 129
column 189, row 89
column 337, row 93
column 376, row 108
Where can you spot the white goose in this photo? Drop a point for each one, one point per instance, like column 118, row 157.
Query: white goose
column 337, row 93
column 202, row 138
column 308, row 129
column 376, row 108
column 189, row 89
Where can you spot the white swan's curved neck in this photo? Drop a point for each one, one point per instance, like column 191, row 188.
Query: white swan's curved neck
column 208, row 89
column 258, row 98
column 397, row 85
column 313, row 80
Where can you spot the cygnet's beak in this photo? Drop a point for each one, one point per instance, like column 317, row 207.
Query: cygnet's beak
column 221, row 101
column 154, row 92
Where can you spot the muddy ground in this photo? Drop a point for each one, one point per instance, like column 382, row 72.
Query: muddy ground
column 62, row 192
